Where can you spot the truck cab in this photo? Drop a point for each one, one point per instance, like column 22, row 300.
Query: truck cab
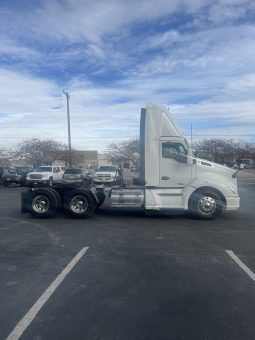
column 173, row 177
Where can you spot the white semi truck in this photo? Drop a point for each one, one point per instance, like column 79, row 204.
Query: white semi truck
column 171, row 178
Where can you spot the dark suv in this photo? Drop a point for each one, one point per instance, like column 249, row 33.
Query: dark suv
column 17, row 175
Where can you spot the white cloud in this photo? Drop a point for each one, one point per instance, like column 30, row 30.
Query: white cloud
column 204, row 70
column 76, row 20
column 36, row 107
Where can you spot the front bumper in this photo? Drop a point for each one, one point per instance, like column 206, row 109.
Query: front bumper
column 70, row 181
column 104, row 180
column 13, row 180
column 37, row 181
column 233, row 203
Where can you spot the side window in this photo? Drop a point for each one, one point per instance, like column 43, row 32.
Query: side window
column 54, row 170
column 174, row 151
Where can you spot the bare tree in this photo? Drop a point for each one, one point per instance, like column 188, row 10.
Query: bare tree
column 217, row 149
column 243, row 149
column 124, row 151
column 5, row 157
column 37, row 152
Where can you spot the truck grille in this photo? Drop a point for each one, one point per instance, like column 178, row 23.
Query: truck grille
column 35, row 176
column 13, row 176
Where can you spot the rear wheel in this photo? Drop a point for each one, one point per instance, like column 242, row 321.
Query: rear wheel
column 80, row 203
column 205, row 204
column 44, row 203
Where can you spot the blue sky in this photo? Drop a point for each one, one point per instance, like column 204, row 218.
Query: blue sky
column 114, row 57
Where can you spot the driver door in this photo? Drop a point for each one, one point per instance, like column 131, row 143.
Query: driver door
column 174, row 170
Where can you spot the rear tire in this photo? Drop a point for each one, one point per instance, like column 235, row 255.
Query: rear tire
column 80, row 203
column 56, row 194
column 205, row 204
column 43, row 204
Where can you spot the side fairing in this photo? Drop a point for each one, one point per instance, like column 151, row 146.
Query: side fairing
column 156, row 122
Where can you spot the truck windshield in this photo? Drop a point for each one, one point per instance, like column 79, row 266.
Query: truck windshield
column 20, row 170
column 44, row 169
column 73, row 171
column 107, row 168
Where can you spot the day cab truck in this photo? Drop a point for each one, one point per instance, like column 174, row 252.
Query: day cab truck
column 171, row 178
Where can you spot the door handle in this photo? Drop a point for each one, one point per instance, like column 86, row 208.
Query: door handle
column 165, row 178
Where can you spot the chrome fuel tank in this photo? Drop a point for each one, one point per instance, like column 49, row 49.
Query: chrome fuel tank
column 127, row 198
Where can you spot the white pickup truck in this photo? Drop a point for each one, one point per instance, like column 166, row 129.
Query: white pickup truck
column 45, row 175
column 106, row 174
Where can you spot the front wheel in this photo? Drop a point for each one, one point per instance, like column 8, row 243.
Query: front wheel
column 205, row 204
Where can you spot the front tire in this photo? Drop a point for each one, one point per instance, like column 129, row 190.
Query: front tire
column 205, row 204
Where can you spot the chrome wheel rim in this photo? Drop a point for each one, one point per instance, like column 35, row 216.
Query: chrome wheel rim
column 207, row 205
column 40, row 204
column 79, row 204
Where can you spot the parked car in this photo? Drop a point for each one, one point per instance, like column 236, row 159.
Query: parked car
column 17, row 175
column 76, row 175
column 240, row 166
column 45, row 174
column 106, row 174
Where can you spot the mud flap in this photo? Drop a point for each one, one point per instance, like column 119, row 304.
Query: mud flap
column 25, row 201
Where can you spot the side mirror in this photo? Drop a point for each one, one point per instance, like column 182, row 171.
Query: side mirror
column 190, row 156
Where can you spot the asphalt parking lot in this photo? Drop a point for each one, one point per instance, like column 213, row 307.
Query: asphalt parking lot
column 124, row 275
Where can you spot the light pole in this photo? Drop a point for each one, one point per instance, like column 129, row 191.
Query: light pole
column 69, row 129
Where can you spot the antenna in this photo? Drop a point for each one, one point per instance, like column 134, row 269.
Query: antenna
column 191, row 135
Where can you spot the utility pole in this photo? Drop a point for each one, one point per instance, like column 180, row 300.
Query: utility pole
column 191, row 134
column 69, row 129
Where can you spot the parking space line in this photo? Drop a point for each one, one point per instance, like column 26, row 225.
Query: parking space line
column 33, row 311
column 241, row 264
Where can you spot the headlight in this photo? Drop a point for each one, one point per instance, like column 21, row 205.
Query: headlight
column 45, row 176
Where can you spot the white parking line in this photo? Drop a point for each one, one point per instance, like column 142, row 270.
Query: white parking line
column 31, row 314
column 241, row 264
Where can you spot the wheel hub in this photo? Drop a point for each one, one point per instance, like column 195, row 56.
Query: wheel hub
column 79, row 204
column 40, row 204
column 207, row 205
